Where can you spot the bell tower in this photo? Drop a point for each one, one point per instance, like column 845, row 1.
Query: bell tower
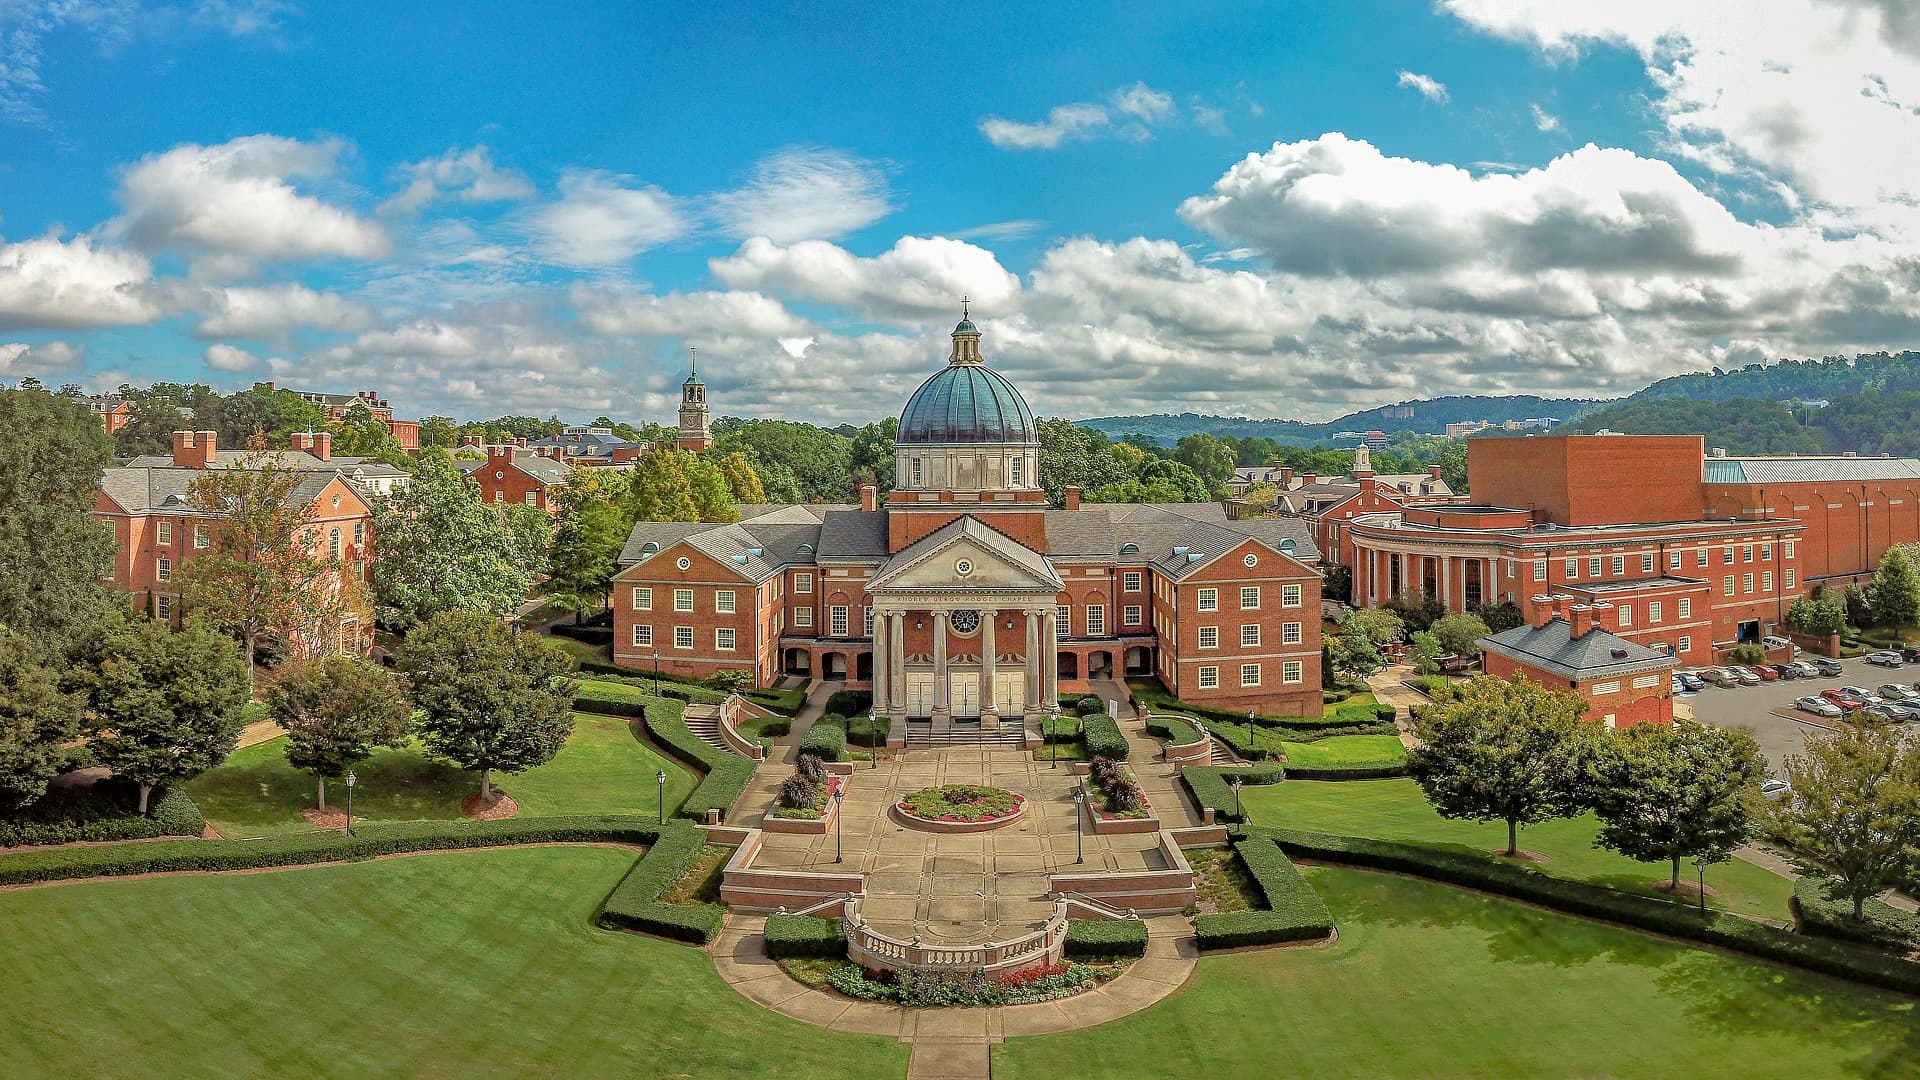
column 694, row 433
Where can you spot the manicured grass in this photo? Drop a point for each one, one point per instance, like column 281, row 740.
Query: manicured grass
column 476, row 963
column 1364, row 697
column 1349, row 750
column 582, row 651
column 602, row 769
column 1431, row 981
column 1395, row 810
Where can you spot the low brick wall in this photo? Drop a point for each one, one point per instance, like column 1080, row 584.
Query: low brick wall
column 758, row 890
column 933, row 825
column 1148, row 892
column 1116, row 826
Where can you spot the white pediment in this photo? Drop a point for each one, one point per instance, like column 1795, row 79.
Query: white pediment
column 969, row 556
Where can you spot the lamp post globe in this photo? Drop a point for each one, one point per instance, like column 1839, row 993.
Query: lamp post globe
column 1079, row 844
column 660, row 778
column 1700, row 864
column 351, row 781
column 838, row 794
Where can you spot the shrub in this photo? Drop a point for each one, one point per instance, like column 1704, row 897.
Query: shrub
column 107, row 809
column 635, row 903
column 1361, row 719
column 799, row 792
column 811, row 767
column 1095, row 939
column 592, row 635
column 1747, row 654
column 780, row 701
column 869, row 733
column 1103, row 737
column 728, row 680
column 1089, row 703
column 1884, row 925
column 728, row 774
column 1178, row 731
column 773, row 729
column 850, row 703
column 805, row 935
column 1208, row 784
column 1294, row 912
column 826, row 739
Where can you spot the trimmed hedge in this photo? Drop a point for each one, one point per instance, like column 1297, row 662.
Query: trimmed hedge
column 1294, row 912
column 780, row 701
column 1884, row 926
column 1063, row 728
column 826, row 738
column 635, row 904
column 1087, row 704
column 105, row 810
column 643, row 680
column 1208, row 784
column 1347, row 720
column 1827, row 956
column 1102, row 736
column 1242, row 740
column 849, row 703
column 728, row 774
column 805, row 935
column 1093, row 939
column 1345, row 772
column 1178, row 731
column 869, row 733
column 592, row 635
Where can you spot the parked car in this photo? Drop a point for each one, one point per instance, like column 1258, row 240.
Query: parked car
column 1904, row 711
column 1806, row 668
column 1910, row 653
column 1747, row 676
column 1692, row 680
column 1884, row 658
column 1827, row 667
column 1843, row 699
column 1894, row 691
column 1765, row 671
column 1775, row 789
column 1818, row 706
column 1862, row 693
column 1876, row 711
column 1787, row 671
column 1719, row 676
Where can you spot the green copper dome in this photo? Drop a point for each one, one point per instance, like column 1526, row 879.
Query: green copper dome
column 967, row 403
column 965, row 326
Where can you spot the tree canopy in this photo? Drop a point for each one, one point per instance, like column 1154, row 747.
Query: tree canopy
column 336, row 711
column 1853, row 809
column 1501, row 750
column 1667, row 791
column 437, row 547
column 37, row 719
column 53, row 555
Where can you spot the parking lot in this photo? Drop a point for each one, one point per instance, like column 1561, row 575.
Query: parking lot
column 1753, row 706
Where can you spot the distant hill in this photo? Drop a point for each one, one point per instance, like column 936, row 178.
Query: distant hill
column 1790, row 380
column 1430, row 416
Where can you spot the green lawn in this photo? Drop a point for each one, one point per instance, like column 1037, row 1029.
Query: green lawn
column 1363, row 697
column 1395, row 810
column 477, row 963
column 1430, row 981
column 1347, row 750
column 602, row 769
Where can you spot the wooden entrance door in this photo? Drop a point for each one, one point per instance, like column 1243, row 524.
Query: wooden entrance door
column 963, row 692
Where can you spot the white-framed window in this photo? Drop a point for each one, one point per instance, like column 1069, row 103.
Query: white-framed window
column 1684, row 645
column 1249, row 674
column 683, row 637
column 1746, row 583
column 1130, row 581
column 1746, row 553
column 723, row 639
column 803, row 582
column 533, row 498
column 333, row 543
column 1700, row 557
column 1646, row 562
column 1290, row 633
column 1766, row 581
column 1292, row 671
column 1726, row 555
column 803, row 617
column 1289, row 596
column 1726, row 585
column 1209, row 637
column 1787, row 546
column 359, row 533
column 1062, row 620
column 1593, row 566
column 1653, row 612
column 1209, row 600
column 867, row 623
column 1018, row 471
column 1626, row 614
column 1786, row 579
column 1766, row 552
column 683, row 599
column 642, row 636
column 1249, row 635
column 1573, row 569
column 723, row 601
column 499, row 496
column 643, row 598
column 919, row 472
column 1096, row 620
column 1673, row 560
column 1611, row 686
column 1539, row 569
column 163, row 608
column 203, row 536
column 163, row 569
column 837, row 620
column 1249, row 597
column 1209, row 678
column 1619, row 565
column 1683, row 607
column 163, row 532
column 1130, row 615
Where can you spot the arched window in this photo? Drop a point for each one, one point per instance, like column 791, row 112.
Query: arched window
column 333, row 543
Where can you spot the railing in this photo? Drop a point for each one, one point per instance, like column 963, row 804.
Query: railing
column 1198, row 752
column 869, row 947
column 730, row 711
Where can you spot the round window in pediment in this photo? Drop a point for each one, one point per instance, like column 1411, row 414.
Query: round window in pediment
column 964, row 622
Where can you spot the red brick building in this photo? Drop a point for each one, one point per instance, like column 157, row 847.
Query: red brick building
column 114, row 412
column 339, row 406
column 1568, row 648
column 513, row 473
column 965, row 598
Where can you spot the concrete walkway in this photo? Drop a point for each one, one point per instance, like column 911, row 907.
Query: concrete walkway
column 1767, row 858
column 1387, row 690
column 953, row 1044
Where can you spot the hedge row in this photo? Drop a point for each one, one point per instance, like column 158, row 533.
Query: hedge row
column 870, row 732
column 1824, row 955
column 1294, row 912
column 1208, row 784
column 1063, row 728
column 105, row 810
column 592, row 635
column 1178, row 731
column 1243, row 740
column 826, row 738
column 589, row 702
column 669, row 685
column 805, row 935
column 1093, row 939
column 780, row 701
column 1345, row 772
column 728, row 774
column 850, row 703
column 1346, row 720
column 1103, row 737
column 1884, row 925
column 635, row 904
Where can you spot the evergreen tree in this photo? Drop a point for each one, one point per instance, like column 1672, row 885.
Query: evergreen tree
column 1671, row 790
column 1894, row 597
column 1501, row 750
column 37, row 720
column 53, row 555
column 337, row 711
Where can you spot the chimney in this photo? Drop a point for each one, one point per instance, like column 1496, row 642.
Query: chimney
column 320, row 445
column 1286, row 477
column 869, row 497
column 193, row 449
column 1433, row 471
column 1309, row 479
column 1580, row 624
column 520, row 440
column 478, row 442
column 499, row 450
column 1073, row 496
column 300, row 440
column 1543, row 609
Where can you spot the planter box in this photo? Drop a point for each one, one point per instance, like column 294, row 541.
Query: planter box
column 819, row 826
column 935, row 825
column 1117, row 826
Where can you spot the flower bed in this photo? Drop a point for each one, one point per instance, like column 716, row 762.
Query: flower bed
column 806, row 801
column 937, row 989
column 1114, row 799
column 961, row 808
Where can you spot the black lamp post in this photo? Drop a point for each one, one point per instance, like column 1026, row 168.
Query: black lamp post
column 1253, row 735
column 873, row 740
column 838, row 794
column 351, row 780
column 660, row 778
column 1235, row 785
column 1050, row 726
column 656, row 673
column 1079, row 805
column 1700, row 864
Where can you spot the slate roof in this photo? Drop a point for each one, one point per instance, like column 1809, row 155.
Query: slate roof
column 544, row 469
column 1804, row 470
column 298, row 460
column 853, row 534
column 593, row 444
column 144, row 489
column 1600, row 654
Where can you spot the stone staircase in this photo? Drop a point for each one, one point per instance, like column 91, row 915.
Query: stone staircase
column 707, row 729
column 1221, row 754
column 924, row 735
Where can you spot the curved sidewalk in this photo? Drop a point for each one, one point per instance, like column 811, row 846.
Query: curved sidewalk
column 952, row 1043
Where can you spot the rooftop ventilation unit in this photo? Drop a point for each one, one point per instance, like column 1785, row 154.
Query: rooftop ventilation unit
column 741, row 559
column 1194, row 557
column 1179, row 551
column 1619, row 654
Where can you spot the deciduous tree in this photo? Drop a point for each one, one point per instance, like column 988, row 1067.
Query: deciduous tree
column 1894, row 597
column 586, row 543
column 1501, row 750
column 1854, row 809
column 337, row 710
column 1459, row 634
column 53, row 555
column 37, row 719
column 489, row 697
column 437, row 547
column 1350, row 651
column 1672, row 790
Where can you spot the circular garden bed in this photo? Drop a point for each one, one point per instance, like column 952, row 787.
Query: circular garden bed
column 961, row 808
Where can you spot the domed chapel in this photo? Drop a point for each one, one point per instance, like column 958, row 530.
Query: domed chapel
column 964, row 600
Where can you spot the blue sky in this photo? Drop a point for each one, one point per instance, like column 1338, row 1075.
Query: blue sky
column 1281, row 209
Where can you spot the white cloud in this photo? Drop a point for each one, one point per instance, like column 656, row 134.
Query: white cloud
column 19, row 360
column 1017, row 229
column 695, row 315
column 47, row 282
column 602, row 219
column 230, row 359
column 1131, row 112
column 238, row 199
column 917, row 279
column 804, row 194
column 272, row 311
column 466, row 176
column 1144, row 103
column 1543, row 120
column 1425, row 85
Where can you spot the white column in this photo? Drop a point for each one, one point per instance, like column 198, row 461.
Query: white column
column 988, row 707
column 1050, row 643
column 897, row 661
column 940, row 710
column 1033, row 668
column 880, row 663
column 1446, row 581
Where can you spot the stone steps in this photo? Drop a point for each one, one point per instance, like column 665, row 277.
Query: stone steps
column 707, row 729
column 922, row 736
